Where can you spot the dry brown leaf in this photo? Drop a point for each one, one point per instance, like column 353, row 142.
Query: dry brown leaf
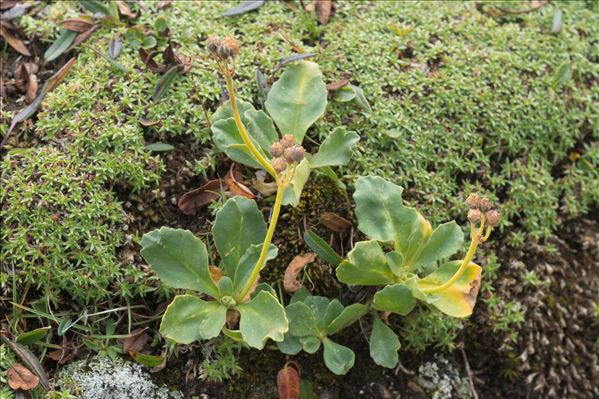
column 232, row 318
column 147, row 123
column 150, row 63
column 136, row 341
column 323, row 9
column 200, row 197
column 290, row 281
column 163, row 3
column 215, row 273
column 337, row 85
column 78, row 25
column 6, row 4
column 66, row 353
column 31, row 89
column 125, row 10
column 60, row 75
column 19, row 377
column 334, row 222
column 81, row 37
column 14, row 42
column 288, row 381
column 232, row 180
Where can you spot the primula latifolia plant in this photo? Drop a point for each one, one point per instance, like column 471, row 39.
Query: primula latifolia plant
column 402, row 247
column 241, row 236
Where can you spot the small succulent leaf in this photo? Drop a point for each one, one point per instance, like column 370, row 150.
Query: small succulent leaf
column 445, row 241
column 290, row 345
column 396, row 262
column 179, row 259
column 344, row 94
column 318, row 305
column 228, row 140
column 366, row 264
column 213, row 322
column 247, row 263
column 294, row 190
column 338, row 358
column 183, row 316
column 225, row 286
column 384, row 344
column 300, row 295
column 336, row 149
column 360, row 99
column 301, row 319
column 310, row 344
column 238, row 226
column 380, row 212
column 459, row 299
column 349, row 316
column 419, row 235
column 262, row 318
column 322, row 249
column 395, row 298
column 334, row 309
column 297, row 99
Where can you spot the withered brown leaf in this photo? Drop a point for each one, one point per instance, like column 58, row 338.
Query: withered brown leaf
column 288, row 381
column 334, row 222
column 14, row 42
column 136, row 341
column 290, row 281
column 19, row 377
column 200, row 197
column 232, row 180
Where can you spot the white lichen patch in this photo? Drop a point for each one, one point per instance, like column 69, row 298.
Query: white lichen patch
column 442, row 381
column 103, row 378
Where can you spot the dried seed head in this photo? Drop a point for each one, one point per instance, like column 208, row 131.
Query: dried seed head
column 473, row 201
column 287, row 141
column 279, row 164
column 493, row 217
column 212, row 43
column 485, row 204
column 474, row 215
column 276, row 149
column 228, row 48
column 294, row 154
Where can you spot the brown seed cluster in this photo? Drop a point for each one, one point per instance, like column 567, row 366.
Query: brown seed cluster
column 223, row 49
column 479, row 207
column 286, row 152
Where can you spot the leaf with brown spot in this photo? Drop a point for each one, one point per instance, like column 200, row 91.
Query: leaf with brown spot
column 78, row 25
column 337, row 85
column 136, row 341
column 215, row 273
column 14, row 42
column 288, row 381
column 324, row 9
column 334, row 222
column 232, row 179
column 19, row 377
column 200, row 197
column 125, row 10
column 290, row 281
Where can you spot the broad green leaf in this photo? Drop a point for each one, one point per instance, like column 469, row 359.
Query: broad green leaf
column 228, row 140
column 164, row 83
column 420, row 231
column 261, row 129
column 302, row 321
column 262, row 318
column 330, row 173
column 297, row 99
column 300, row 295
column 213, row 322
column 445, row 241
column 310, row 344
column 395, row 298
column 334, row 309
column 380, row 212
column 179, row 259
column 318, row 305
column 148, row 360
column 61, row 44
column 294, row 190
column 344, row 94
column 264, row 287
column 396, row 262
column 238, row 226
column 459, row 299
column 33, row 336
column 366, row 264
column 290, row 345
column 384, row 344
column 224, row 111
column 360, row 98
column 183, row 317
column 335, row 150
column 338, row 358
column 247, row 263
column 348, row 316
column 321, row 248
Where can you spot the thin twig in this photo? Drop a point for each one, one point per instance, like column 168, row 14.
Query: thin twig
column 469, row 372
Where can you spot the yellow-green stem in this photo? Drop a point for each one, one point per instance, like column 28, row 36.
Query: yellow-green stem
column 476, row 236
column 265, row 246
column 242, row 131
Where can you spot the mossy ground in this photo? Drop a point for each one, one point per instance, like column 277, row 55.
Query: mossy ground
column 461, row 101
